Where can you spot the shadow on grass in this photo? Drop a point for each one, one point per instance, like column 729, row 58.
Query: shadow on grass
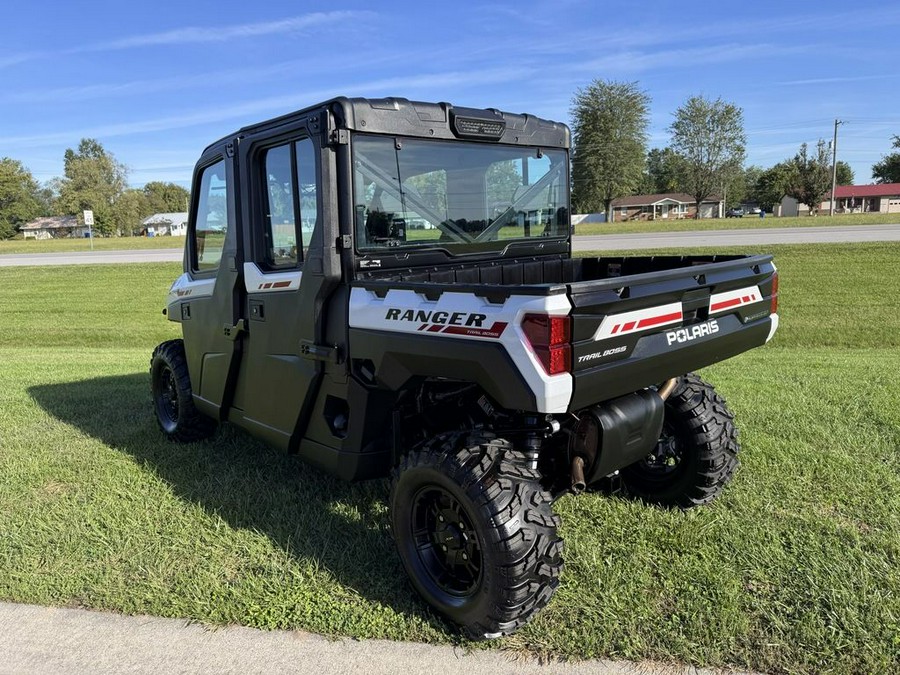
column 340, row 526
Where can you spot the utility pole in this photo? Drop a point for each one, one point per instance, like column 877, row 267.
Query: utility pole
column 834, row 167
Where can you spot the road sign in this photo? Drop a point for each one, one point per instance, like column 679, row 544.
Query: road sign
column 88, row 217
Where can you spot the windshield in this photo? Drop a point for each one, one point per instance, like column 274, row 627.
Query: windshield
column 463, row 197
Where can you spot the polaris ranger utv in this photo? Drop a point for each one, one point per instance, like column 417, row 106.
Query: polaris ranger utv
column 386, row 288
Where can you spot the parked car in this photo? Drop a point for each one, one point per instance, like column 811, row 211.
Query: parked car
column 736, row 212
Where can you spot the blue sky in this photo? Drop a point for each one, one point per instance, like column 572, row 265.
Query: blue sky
column 156, row 81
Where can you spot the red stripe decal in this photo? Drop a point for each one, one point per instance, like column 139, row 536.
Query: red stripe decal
column 725, row 304
column 422, row 327
column 656, row 320
column 435, row 328
column 615, row 329
column 281, row 284
column 628, row 326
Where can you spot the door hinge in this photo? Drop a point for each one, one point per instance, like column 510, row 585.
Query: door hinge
column 339, row 137
column 345, row 242
column 232, row 332
column 315, row 352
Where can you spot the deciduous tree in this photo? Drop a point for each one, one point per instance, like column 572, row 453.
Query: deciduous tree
column 663, row 168
column 18, row 196
column 709, row 136
column 93, row 179
column 609, row 128
column 166, row 197
column 131, row 207
column 888, row 169
column 810, row 180
column 844, row 173
column 772, row 185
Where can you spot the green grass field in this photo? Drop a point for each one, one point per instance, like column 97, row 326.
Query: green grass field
column 796, row 569
column 100, row 244
column 745, row 223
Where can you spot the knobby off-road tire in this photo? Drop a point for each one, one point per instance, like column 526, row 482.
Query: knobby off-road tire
column 173, row 403
column 696, row 456
column 476, row 533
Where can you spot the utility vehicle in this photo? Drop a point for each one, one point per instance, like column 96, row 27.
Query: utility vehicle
column 386, row 288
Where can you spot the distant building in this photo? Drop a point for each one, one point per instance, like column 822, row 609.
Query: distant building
column 883, row 198
column 53, row 227
column 160, row 224
column 672, row 205
column 789, row 207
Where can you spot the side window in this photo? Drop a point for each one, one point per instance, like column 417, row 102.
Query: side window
column 291, row 208
column 212, row 218
column 281, row 229
column 308, row 182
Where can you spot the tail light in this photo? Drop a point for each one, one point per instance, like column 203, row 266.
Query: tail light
column 549, row 337
column 774, row 307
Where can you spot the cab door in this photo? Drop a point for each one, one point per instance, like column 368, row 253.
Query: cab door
column 277, row 383
column 210, row 305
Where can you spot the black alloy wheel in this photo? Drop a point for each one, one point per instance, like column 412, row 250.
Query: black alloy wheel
column 697, row 454
column 446, row 541
column 475, row 532
column 173, row 402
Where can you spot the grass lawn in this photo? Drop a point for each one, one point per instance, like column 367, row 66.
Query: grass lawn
column 745, row 223
column 796, row 569
column 100, row 244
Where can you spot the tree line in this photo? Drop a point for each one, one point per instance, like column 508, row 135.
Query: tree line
column 610, row 159
column 705, row 156
column 93, row 179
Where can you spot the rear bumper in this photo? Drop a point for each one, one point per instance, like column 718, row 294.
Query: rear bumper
column 658, row 357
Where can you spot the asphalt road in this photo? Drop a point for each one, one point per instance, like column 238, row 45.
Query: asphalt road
column 779, row 235
column 90, row 257
column 52, row 641
column 599, row 242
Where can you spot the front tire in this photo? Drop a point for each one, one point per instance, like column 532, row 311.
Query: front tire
column 697, row 454
column 476, row 533
column 173, row 402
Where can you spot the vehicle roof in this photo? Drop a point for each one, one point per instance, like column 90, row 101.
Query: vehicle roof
column 404, row 117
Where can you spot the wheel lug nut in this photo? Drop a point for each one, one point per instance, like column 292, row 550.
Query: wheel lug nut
column 444, row 548
column 441, row 518
column 465, row 556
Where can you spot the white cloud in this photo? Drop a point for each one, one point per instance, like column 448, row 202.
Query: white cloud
column 250, row 110
column 205, row 34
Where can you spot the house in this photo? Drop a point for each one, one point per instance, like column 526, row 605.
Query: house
column 159, row 224
column 663, row 206
column 53, row 227
column 883, row 198
column 789, row 207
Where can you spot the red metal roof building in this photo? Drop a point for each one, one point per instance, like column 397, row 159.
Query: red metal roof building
column 881, row 198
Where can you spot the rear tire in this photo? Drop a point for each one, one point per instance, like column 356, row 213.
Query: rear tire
column 476, row 533
column 173, row 401
column 697, row 454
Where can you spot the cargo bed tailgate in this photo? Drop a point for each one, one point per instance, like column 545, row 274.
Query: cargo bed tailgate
column 634, row 331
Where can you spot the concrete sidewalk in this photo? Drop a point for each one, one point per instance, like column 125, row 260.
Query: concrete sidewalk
column 50, row 641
